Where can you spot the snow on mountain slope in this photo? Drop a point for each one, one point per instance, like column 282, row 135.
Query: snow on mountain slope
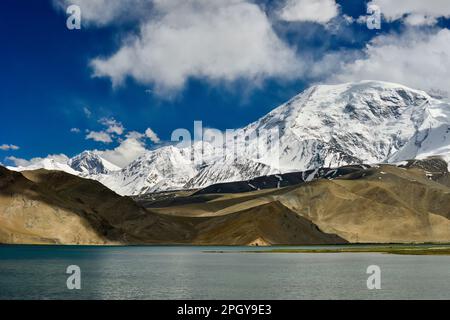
column 325, row 126
column 160, row 169
column 229, row 171
column 87, row 164
column 90, row 163
column 48, row 164
column 334, row 125
column 431, row 137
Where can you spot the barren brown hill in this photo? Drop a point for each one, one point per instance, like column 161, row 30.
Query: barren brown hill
column 382, row 204
column 53, row 207
column 386, row 204
column 266, row 224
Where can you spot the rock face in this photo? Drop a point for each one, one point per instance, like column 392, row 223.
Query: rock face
column 326, row 126
column 281, row 180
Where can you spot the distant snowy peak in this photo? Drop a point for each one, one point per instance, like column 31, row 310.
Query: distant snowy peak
column 48, row 164
column 91, row 163
column 87, row 164
column 161, row 169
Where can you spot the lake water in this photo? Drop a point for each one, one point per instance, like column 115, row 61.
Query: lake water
column 39, row 272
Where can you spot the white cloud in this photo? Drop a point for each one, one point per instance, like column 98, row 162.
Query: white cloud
column 417, row 59
column 152, row 135
column 415, row 12
column 104, row 12
column 18, row 162
column 128, row 150
column 135, row 135
column 420, row 20
column 113, row 129
column 112, row 125
column 348, row 19
column 99, row 136
column 75, row 130
column 319, row 11
column 214, row 40
column 8, row 147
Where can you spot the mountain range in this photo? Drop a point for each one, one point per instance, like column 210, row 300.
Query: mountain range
column 326, row 126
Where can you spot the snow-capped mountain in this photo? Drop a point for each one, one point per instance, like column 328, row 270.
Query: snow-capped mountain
column 325, row 126
column 161, row 169
column 90, row 163
column 431, row 135
column 87, row 164
column 50, row 163
column 335, row 125
column 229, row 170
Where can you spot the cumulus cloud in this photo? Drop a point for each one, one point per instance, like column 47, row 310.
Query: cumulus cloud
column 99, row 136
column 135, row 135
column 414, row 12
column 8, row 147
column 113, row 126
column 418, row 59
column 128, row 150
column 18, row 162
column 149, row 133
column 420, row 20
column 319, row 11
column 75, row 130
column 214, row 40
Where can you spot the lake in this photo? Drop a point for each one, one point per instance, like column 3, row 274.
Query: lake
column 156, row 272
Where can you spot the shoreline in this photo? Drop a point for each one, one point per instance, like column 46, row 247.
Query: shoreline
column 401, row 250
column 441, row 249
column 384, row 245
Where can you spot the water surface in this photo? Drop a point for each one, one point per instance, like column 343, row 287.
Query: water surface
column 38, row 272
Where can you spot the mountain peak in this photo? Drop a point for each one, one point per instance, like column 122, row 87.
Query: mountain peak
column 91, row 163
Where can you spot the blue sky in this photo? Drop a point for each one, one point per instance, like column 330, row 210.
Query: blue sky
column 48, row 83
